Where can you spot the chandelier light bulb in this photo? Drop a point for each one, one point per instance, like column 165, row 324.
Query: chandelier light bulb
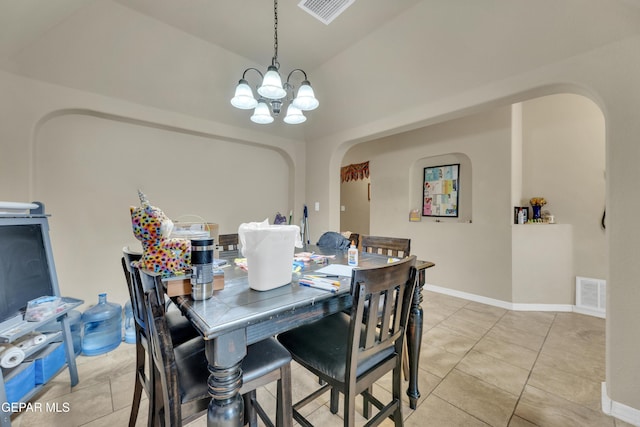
column 243, row 97
column 306, row 99
column 294, row 115
column 272, row 85
column 261, row 114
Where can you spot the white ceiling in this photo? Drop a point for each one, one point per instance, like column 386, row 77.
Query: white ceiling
column 187, row 55
column 245, row 27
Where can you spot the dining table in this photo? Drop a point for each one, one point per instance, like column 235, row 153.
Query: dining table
column 237, row 316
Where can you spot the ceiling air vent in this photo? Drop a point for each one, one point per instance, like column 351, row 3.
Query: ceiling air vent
column 325, row 10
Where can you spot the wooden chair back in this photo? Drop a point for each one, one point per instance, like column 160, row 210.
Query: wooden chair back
column 166, row 390
column 144, row 371
column 390, row 288
column 389, row 246
column 133, row 283
column 350, row 353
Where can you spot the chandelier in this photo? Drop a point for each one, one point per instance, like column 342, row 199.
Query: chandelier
column 273, row 94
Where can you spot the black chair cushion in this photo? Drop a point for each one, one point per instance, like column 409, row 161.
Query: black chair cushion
column 191, row 364
column 322, row 347
column 262, row 357
column 181, row 329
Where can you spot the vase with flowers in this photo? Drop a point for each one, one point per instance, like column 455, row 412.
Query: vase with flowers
column 536, row 205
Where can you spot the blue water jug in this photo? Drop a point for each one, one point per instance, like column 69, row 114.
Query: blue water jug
column 129, row 327
column 101, row 327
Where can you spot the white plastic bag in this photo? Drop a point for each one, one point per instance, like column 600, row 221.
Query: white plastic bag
column 269, row 251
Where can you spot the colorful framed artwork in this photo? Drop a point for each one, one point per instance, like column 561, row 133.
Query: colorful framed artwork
column 440, row 190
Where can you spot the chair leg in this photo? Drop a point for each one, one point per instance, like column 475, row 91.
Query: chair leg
column 160, row 411
column 397, row 394
column 135, row 405
column 334, row 401
column 366, row 404
column 250, row 414
column 137, row 389
column 284, row 405
column 349, row 408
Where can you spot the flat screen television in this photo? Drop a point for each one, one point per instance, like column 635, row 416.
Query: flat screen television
column 27, row 270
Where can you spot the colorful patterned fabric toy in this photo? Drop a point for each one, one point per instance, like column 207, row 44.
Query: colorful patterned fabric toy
column 160, row 254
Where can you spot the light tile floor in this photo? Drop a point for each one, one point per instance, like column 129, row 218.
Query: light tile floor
column 479, row 366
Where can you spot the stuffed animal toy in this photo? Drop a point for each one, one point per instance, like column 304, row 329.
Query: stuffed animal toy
column 160, row 254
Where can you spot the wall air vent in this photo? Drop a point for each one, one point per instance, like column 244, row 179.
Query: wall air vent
column 325, row 10
column 591, row 296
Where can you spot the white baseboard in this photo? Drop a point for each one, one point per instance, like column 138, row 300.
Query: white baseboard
column 619, row 410
column 499, row 303
column 588, row 312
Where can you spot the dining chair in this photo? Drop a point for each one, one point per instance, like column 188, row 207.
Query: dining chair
column 179, row 326
column 395, row 247
column 228, row 244
column 389, row 246
column 351, row 352
column 181, row 372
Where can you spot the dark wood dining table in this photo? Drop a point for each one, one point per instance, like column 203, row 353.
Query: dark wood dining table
column 238, row 316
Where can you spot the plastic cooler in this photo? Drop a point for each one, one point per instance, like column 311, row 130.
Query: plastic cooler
column 269, row 251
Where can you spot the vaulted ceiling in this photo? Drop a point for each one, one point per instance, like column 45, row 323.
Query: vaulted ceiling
column 379, row 57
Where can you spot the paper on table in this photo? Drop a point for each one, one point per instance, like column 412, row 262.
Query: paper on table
column 336, row 269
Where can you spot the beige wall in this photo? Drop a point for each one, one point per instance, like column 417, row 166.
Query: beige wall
column 86, row 166
column 87, row 170
column 479, row 247
column 607, row 75
column 564, row 161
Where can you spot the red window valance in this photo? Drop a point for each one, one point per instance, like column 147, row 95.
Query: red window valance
column 354, row 172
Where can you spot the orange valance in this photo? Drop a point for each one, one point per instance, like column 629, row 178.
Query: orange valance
column 354, row 172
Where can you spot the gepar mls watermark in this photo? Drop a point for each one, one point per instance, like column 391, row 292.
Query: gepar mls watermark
column 56, row 407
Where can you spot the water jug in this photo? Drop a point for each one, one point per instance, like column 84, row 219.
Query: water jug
column 101, row 327
column 129, row 327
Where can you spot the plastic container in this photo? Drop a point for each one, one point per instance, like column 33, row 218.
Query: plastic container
column 75, row 324
column 129, row 327
column 269, row 252
column 352, row 255
column 49, row 362
column 101, row 327
column 18, row 385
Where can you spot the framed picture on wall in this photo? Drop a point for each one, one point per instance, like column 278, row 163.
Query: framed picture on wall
column 440, row 190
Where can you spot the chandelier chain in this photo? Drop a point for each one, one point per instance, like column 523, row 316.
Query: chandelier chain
column 275, row 34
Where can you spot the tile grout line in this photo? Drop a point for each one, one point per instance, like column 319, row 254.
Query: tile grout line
column 513, row 413
column 459, row 361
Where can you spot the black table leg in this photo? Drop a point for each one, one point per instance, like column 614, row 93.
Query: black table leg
column 224, row 356
column 414, row 333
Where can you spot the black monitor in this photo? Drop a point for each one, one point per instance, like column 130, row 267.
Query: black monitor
column 27, row 270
